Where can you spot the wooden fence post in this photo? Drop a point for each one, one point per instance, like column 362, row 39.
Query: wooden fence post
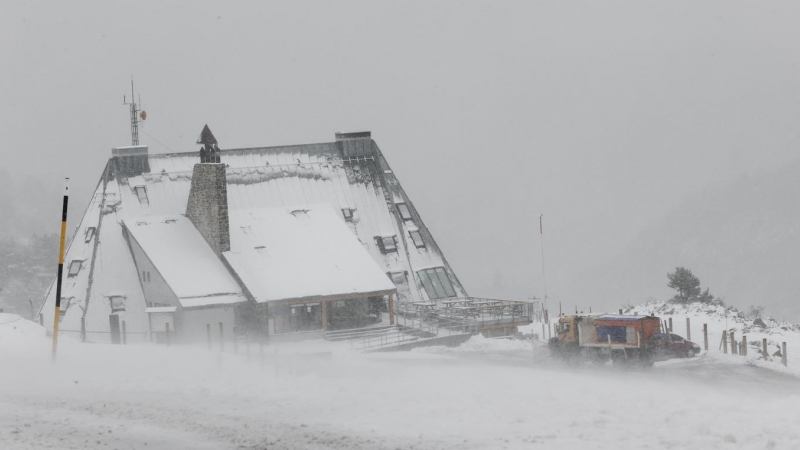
column 221, row 340
column 764, row 351
column 124, row 334
column 733, row 344
column 688, row 330
column 725, row 342
column 208, row 334
column 670, row 324
column 744, row 345
column 784, row 358
column 83, row 329
column 705, row 335
column 620, row 312
column 166, row 327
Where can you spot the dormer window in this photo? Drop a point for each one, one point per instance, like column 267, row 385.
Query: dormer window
column 417, row 238
column 141, row 194
column 347, row 213
column 404, row 212
column 387, row 244
column 89, row 234
column 74, row 268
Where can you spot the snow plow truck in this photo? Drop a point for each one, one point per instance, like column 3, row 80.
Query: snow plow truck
column 625, row 340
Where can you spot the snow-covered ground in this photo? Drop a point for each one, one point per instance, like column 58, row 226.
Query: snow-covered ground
column 486, row 394
column 720, row 318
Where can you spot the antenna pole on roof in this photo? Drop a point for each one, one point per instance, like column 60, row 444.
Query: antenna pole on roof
column 541, row 244
column 135, row 111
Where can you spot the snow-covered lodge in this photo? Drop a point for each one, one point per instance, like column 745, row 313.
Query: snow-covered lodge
column 270, row 240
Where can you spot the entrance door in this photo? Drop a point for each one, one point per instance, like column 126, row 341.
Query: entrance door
column 113, row 321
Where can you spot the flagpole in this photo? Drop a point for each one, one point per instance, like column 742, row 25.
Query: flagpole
column 57, row 315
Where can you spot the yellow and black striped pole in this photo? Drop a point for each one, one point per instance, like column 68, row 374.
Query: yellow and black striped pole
column 57, row 315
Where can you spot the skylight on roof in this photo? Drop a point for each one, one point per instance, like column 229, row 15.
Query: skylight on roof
column 404, row 212
column 74, row 267
column 347, row 213
column 141, row 193
column 300, row 213
column 387, row 244
column 417, row 238
column 89, row 234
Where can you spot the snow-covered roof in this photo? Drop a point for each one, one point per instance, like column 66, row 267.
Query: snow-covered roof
column 280, row 256
column 161, row 309
column 185, row 261
column 136, row 185
column 622, row 318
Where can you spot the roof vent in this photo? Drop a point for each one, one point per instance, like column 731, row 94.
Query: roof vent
column 131, row 161
column 352, row 136
column 356, row 144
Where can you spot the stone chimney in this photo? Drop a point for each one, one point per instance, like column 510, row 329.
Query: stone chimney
column 208, row 198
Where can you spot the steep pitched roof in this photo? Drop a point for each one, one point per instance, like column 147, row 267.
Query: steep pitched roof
column 284, row 254
column 350, row 175
column 183, row 258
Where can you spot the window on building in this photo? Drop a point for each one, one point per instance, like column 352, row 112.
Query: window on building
column 402, row 209
column 90, row 233
column 436, row 283
column 74, row 267
column 347, row 213
column 417, row 238
column 387, row 244
column 148, row 276
column 65, row 304
column 141, row 193
column 117, row 303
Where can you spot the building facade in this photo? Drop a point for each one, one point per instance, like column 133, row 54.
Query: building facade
column 268, row 240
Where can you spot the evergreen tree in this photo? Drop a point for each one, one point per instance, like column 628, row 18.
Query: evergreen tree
column 688, row 287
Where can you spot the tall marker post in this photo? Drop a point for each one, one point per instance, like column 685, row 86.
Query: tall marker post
column 57, row 314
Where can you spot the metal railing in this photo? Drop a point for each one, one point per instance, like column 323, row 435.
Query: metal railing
column 445, row 317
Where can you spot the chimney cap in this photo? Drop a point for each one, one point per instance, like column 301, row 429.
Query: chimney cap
column 206, row 136
column 353, row 136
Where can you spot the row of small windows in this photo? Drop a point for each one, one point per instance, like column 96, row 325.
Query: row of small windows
column 145, row 276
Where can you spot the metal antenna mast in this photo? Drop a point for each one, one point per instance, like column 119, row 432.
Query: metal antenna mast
column 135, row 111
column 541, row 242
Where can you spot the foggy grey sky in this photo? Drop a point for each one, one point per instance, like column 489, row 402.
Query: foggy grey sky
column 603, row 116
